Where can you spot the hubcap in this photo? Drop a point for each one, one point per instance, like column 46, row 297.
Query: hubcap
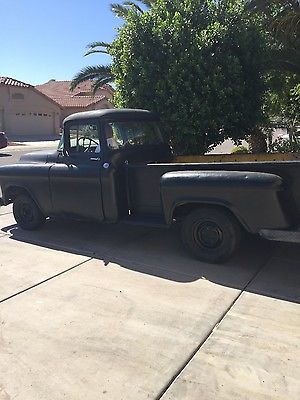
column 26, row 212
column 209, row 234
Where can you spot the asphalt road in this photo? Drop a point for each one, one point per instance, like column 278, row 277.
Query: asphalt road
column 12, row 154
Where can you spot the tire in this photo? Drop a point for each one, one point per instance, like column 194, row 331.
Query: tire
column 27, row 214
column 211, row 234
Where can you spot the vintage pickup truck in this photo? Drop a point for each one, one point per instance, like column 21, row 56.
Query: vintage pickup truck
column 114, row 166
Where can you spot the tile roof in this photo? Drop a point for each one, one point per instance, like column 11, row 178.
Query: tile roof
column 78, row 101
column 60, row 92
column 4, row 80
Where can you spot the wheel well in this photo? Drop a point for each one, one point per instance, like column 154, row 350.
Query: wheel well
column 13, row 191
column 183, row 210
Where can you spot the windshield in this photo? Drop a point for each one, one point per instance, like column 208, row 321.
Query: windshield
column 132, row 133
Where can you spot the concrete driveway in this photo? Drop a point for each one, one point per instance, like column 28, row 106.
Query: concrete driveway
column 118, row 312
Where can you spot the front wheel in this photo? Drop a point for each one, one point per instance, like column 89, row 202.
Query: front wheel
column 27, row 214
column 211, row 234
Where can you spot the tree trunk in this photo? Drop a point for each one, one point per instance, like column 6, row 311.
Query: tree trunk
column 257, row 142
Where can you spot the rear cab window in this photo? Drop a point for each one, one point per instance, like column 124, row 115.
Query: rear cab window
column 123, row 134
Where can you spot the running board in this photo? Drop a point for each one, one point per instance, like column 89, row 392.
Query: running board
column 280, row 235
column 146, row 221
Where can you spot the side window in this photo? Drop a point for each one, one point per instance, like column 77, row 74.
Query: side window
column 84, row 138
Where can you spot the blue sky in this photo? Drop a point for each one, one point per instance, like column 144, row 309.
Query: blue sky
column 44, row 40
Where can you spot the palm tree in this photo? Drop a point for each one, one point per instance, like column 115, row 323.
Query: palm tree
column 101, row 74
column 283, row 22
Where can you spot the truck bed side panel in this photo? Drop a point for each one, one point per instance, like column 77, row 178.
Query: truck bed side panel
column 144, row 183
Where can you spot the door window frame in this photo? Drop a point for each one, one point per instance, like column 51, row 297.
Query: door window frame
column 66, row 138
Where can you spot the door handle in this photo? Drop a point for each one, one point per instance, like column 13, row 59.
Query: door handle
column 95, row 159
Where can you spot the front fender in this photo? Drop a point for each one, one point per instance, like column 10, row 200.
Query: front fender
column 251, row 196
column 30, row 178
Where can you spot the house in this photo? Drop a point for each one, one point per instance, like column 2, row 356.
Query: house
column 38, row 111
column 26, row 111
column 81, row 99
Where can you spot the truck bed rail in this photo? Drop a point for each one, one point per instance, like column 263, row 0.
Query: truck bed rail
column 217, row 158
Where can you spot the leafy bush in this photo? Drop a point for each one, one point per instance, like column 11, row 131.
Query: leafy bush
column 198, row 64
column 240, row 150
column 285, row 146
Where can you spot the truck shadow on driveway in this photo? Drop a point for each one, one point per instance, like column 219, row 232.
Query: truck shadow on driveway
column 261, row 267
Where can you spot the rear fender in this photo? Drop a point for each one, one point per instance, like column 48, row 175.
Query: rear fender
column 252, row 197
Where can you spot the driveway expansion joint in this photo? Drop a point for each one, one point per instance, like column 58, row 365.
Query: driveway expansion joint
column 1, row 215
column 45, row 280
column 181, row 369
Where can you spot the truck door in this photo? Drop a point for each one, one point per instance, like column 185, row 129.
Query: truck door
column 75, row 182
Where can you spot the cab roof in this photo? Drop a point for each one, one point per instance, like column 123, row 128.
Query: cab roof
column 115, row 114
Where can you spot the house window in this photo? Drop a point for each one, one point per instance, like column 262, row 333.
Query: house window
column 18, row 96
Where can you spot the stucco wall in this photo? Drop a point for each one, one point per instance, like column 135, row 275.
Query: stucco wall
column 30, row 114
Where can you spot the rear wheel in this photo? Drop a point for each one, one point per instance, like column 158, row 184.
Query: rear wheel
column 211, row 234
column 26, row 213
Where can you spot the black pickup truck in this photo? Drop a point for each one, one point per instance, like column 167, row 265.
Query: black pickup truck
column 114, row 166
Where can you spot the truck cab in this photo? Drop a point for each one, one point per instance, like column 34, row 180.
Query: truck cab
column 92, row 160
column 88, row 177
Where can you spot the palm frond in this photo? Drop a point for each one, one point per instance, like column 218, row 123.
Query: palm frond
column 98, row 72
column 133, row 6
column 101, row 82
column 287, row 26
column 95, row 51
column 119, row 10
column 122, row 10
column 97, row 47
column 92, row 45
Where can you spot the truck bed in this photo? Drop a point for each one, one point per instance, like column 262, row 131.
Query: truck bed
column 144, row 182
